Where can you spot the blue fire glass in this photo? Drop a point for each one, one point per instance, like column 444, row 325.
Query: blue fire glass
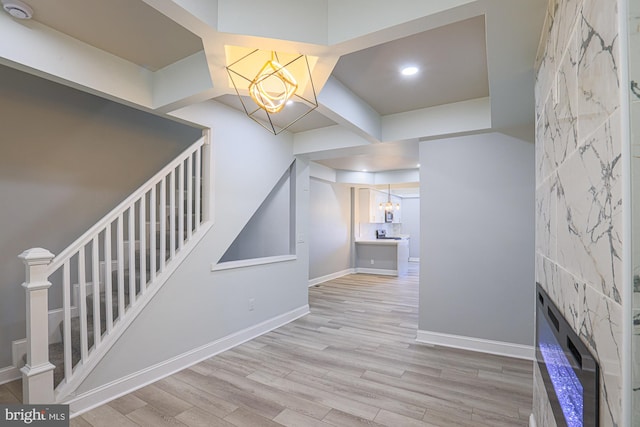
column 565, row 381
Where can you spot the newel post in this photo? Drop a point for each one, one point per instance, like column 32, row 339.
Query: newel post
column 37, row 373
column 207, row 177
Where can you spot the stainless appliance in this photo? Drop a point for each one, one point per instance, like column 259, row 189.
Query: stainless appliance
column 382, row 234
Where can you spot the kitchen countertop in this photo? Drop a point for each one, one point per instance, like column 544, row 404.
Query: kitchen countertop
column 383, row 241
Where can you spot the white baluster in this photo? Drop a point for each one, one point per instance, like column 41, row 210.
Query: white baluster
column 142, row 230
column 152, row 233
column 132, row 255
column 189, row 196
column 82, row 305
column 95, row 277
column 163, row 223
column 120, row 262
column 197, row 190
column 172, row 213
column 108, row 302
column 181, row 205
column 37, row 374
column 207, row 186
column 66, row 324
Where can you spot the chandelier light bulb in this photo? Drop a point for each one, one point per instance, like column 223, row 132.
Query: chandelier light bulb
column 388, row 207
column 272, row 87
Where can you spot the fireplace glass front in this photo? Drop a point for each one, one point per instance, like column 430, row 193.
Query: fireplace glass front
column 569, row 371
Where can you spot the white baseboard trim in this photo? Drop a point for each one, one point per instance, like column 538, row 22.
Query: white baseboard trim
column 8, row 374
column 331, row 276
column 101, row 395
column 500, row 348
column 532, row 421
column 378, row 271
column 414, row 259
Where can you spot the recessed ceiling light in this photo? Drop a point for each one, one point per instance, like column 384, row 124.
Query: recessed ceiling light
column 364, row 170
column 418, row 165
column 409, row 71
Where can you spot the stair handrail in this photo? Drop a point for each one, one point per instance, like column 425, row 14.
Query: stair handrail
column 84, row 239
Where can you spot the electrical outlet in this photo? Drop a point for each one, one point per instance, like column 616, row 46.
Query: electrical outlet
column 252, row 304
column 372, row 262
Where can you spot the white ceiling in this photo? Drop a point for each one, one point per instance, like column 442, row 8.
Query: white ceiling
column 466, row 49
column 375, row 158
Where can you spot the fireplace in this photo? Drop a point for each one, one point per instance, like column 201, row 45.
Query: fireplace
column 569, row 371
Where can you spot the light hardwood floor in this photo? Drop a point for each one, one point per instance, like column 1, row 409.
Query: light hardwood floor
column 352, row 362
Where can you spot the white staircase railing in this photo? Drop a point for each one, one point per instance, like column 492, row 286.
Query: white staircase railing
column 105, row 277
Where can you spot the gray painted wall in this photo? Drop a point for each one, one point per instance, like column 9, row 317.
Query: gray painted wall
column 329, row 228
column 197, row 306
column 67, row 159
column 411, row 224
column 477, row 234
column 268, row 232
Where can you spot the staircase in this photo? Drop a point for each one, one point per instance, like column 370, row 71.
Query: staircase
column 106, row 277
column 56, row 350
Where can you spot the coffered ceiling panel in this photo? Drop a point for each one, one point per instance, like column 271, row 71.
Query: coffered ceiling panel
column 129, row 29
column 452, row 63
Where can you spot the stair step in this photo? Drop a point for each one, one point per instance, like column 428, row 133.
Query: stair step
column 75, row 332
column 56, row 357
column 168, row 220
column 56, row 350
column 185, row 206
column 114, row 281
column 103, row 303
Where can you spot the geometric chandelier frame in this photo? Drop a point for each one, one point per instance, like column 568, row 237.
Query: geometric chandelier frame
column 259, row 69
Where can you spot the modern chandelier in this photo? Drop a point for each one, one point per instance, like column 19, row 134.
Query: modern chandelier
column 270, row 83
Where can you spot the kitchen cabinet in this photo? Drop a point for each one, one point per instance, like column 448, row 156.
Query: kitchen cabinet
column 369, row 202
column 369, row 206
column 397, row 213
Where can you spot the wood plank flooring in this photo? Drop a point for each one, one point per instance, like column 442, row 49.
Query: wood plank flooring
column 352, row 362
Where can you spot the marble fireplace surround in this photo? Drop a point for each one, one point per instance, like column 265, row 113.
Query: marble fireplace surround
column 579, row 202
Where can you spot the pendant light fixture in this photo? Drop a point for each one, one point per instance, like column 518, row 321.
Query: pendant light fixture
column 388, row 207
column 267, row 82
